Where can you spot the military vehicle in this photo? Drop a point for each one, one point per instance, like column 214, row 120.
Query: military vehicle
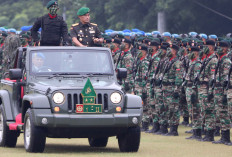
column 67, row 92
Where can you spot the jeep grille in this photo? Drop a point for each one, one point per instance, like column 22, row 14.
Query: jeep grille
column 74, row 99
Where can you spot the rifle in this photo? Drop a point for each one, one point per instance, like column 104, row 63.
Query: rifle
column 213, row 81
column 162, row 76
column 228, row 83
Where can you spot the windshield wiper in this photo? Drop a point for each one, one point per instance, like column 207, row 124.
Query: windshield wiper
column 60, row 74
column 95, row 74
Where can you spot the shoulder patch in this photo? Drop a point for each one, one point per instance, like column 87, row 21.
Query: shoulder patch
column 93, row 24
column 76, row 24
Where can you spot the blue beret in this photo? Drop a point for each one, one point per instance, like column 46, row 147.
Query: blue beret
column 167, row 34
column 52, row 2
column 155, row 32
column 213, row 36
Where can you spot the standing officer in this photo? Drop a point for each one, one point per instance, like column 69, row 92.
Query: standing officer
column 54, row 28
column 85, row 33
column 171, row 81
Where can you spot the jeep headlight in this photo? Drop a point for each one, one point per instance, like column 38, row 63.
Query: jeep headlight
column 58, row 98
column 115, row 98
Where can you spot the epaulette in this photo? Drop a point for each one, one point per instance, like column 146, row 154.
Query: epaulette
column 76, row 24
column 93, row 24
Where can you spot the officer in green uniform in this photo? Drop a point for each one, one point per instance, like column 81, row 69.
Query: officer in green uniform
column 85, row 33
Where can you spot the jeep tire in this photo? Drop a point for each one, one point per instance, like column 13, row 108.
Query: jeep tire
column 129, row 141
column 98, row 142
column 8, row 138
column 34, row 136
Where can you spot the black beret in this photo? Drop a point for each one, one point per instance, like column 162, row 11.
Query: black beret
column 108, row 40
column 194, row 48
column 154, row 43
column 117, row 41
column 210, row 42
column 146, row 41
column 127, row 41
column 143, row 47
column 223, row 43
column 174, row 46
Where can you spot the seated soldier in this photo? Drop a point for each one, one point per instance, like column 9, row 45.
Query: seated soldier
column 38, row 63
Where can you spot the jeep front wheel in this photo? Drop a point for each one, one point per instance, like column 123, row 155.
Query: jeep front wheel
column 8, row 138
column 34, row 136
column 129, row 141
column 98, row 142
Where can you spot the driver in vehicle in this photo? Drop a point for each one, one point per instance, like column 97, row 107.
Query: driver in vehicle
column 38, row 63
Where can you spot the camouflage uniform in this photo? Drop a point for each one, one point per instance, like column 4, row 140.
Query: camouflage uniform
column 12, row 42
column 172, row 80
column 115, row 54
column 222, row 112
column 126, row 61
column 207, row 105
column 192, row 98
column 140, row 85
column 183, row 101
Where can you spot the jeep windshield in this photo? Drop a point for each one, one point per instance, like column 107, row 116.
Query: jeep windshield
column 70, row 62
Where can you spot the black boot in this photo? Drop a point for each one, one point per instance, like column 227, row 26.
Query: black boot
column 185, row 121
column 145, row 126
column 198, row 134
column 203, row 132
column 217, row 131
column 173, row 131
column 225, row 137
column 189, row 132
column 193, row 135
column 155, row 128
column 209, row 136
column 163, row 130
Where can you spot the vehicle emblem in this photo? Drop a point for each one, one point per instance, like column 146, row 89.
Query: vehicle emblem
column 88, row 90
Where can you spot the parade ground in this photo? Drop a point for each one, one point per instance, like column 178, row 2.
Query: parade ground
column 150, row 146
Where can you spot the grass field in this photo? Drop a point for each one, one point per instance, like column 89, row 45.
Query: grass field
column 150, row 146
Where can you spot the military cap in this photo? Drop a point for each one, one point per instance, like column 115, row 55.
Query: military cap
column 185, row 42
column 223, row 43
column 164, row 45
column 108, row 40
column 174, row 46
column 146, row 41
column 210, row 42
column 213, row 36
column 4, row 34
column 25, row 36
column 127, row 41
column 52, row 2
column 194, row 48
column 143, row 47
column 154, row 43
column 167, row 34
column 83, row 11
column 117, row 41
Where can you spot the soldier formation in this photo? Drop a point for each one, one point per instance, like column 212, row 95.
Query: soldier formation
column 186, row 74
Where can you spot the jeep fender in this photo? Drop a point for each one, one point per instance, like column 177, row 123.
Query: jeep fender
column 37, row 101
column 6, row 103
column 133, row 101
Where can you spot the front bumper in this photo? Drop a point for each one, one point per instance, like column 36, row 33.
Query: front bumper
column 87, row 120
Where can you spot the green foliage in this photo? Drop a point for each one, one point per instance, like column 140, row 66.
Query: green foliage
column 182, row 16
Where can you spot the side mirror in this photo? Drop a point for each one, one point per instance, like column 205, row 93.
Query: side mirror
column 122, row 73
column 15, row 74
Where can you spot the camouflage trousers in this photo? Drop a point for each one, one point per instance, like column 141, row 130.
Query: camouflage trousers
column 222, row 109
column 207, row 108
column 194, row 107
column 158, row 104
column 146, row 107
column 171, row 114
column 229, row 101
column 183, row 104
